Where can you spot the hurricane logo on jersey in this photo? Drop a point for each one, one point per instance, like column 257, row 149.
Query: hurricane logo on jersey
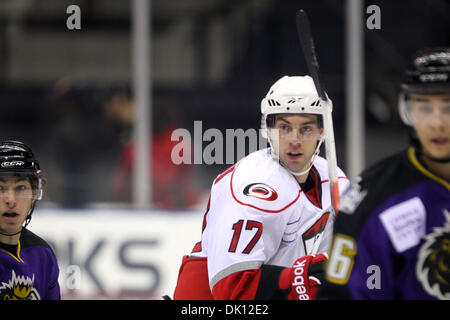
column 260, row 191
column 313, row 236
column 433, row 266
column 19, row 288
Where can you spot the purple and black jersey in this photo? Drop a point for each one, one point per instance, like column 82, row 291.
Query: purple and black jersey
column 28, row 271
column 391, row 238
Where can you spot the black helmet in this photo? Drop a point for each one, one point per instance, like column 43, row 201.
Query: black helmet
column 428, row 73
column 17, row 156
column 17, row 160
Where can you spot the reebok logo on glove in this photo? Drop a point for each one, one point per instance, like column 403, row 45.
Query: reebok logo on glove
column 299, row 280
column 304, row 277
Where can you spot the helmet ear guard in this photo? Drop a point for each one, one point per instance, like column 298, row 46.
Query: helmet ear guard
column 263, row 130
column 403, row 109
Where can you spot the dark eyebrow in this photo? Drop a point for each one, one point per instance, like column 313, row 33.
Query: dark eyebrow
column 282, row 119
column 309, row 122
column 419, row 99
column 304, row 123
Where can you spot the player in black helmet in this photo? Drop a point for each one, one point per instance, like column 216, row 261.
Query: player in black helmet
column 425, row 93
column 392, row 235
column 28, row 267
column 17, row 162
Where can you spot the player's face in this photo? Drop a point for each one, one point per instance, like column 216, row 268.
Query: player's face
column 297, row 139
column 431, row 119
column 16, row 197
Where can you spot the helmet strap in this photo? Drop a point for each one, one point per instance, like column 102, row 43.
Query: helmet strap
column 276, row 157
column 439, row 160
column 415, row 143
column 27, row 222
column 313, row 158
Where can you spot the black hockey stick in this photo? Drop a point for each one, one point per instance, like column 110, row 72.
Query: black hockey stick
column 309, row 51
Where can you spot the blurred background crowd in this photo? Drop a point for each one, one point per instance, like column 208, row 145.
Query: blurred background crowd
column 67, row 93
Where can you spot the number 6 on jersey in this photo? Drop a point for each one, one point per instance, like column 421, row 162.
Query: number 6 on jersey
column 250, row 225
column 341, row 260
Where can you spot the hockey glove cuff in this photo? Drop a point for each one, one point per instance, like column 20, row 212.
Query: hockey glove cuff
column 304, row 278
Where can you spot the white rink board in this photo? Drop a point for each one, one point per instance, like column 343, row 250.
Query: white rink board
column 117, row 254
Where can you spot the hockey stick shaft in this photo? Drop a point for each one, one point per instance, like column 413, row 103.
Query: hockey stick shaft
column 307, row 43
column 309, row 50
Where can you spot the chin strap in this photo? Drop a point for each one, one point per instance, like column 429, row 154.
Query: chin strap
column 439, row 160
column 11, row 234
column 415, row 143
column 27, row 222
column 276, row 157
column 445, row 160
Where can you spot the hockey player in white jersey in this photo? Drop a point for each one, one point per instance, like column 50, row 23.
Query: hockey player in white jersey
column 263, row 233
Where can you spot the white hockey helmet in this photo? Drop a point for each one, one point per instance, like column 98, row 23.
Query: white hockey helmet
column 291, row 94
column 295, row 95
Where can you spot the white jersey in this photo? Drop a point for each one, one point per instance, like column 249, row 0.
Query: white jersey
column 258, row 214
